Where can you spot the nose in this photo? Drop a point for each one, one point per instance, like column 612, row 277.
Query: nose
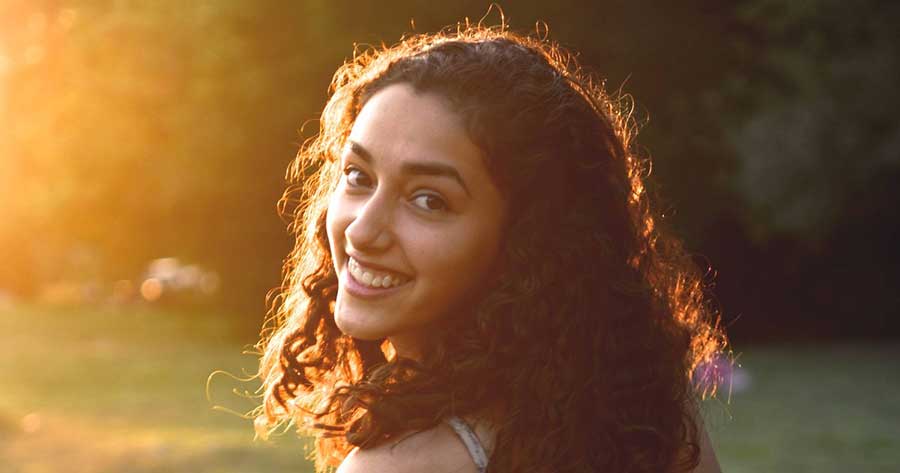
column 370, row 229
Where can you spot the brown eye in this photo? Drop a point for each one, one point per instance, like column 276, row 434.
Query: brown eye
column 430, row 202
column 356, row 178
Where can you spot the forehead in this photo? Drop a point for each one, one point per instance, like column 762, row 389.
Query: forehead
column 399, row 123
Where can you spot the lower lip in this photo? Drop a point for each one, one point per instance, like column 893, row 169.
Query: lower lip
column 357, row 288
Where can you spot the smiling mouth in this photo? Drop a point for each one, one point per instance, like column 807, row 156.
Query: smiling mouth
column 373, row 279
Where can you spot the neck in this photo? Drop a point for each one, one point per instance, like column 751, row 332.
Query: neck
column 406, row 346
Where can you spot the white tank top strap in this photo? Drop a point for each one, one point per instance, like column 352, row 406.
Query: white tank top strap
column 470, row 440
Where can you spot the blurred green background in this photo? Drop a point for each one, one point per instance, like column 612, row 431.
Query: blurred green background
column 143, row 146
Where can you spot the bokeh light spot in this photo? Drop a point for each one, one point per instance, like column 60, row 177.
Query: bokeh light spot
column 151, row 289
column 31, row 423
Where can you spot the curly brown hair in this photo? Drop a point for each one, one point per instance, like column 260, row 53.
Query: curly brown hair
column 580, row 353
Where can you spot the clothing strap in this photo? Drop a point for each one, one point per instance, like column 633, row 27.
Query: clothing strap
column 470, row 440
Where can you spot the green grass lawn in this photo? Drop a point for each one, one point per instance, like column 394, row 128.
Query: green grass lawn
column 812, row 408
column 124, row 391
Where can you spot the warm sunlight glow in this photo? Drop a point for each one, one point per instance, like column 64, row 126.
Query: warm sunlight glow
column 31, row 423
column 104, row 115
column 151, row 289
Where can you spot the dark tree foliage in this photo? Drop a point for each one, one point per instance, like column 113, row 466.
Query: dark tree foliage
column 147, row 129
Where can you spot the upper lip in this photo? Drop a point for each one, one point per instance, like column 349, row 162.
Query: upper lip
column 375, row 266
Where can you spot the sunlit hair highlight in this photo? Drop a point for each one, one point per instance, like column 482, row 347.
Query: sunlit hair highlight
column 581, row 354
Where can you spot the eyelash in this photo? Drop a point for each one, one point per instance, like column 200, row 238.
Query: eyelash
column 444, row 206
column 347, row 172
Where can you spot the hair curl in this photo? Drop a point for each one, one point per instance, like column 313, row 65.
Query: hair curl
column 581, row 352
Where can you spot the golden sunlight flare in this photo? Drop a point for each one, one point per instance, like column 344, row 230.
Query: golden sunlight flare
column 151, row 289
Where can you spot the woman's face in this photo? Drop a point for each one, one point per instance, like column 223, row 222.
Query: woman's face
column 414, row 223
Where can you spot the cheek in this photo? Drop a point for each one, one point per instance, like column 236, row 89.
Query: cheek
column 463, row 257
column 333, row 225
column 479, row 265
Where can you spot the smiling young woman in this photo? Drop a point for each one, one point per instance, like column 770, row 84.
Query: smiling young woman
column 416, row 208
column 479, row 282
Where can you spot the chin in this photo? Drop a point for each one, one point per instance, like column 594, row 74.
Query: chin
column 354, row 329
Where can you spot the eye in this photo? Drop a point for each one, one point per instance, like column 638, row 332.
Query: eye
column 430, row 203
column 356, row 178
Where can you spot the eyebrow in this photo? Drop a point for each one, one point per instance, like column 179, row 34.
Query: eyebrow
column 414, row 167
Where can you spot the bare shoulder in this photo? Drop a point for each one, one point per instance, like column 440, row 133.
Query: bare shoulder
column 708, row 461
column 436, row 450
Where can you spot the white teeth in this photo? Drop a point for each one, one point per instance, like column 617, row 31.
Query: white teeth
column 374, row 279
